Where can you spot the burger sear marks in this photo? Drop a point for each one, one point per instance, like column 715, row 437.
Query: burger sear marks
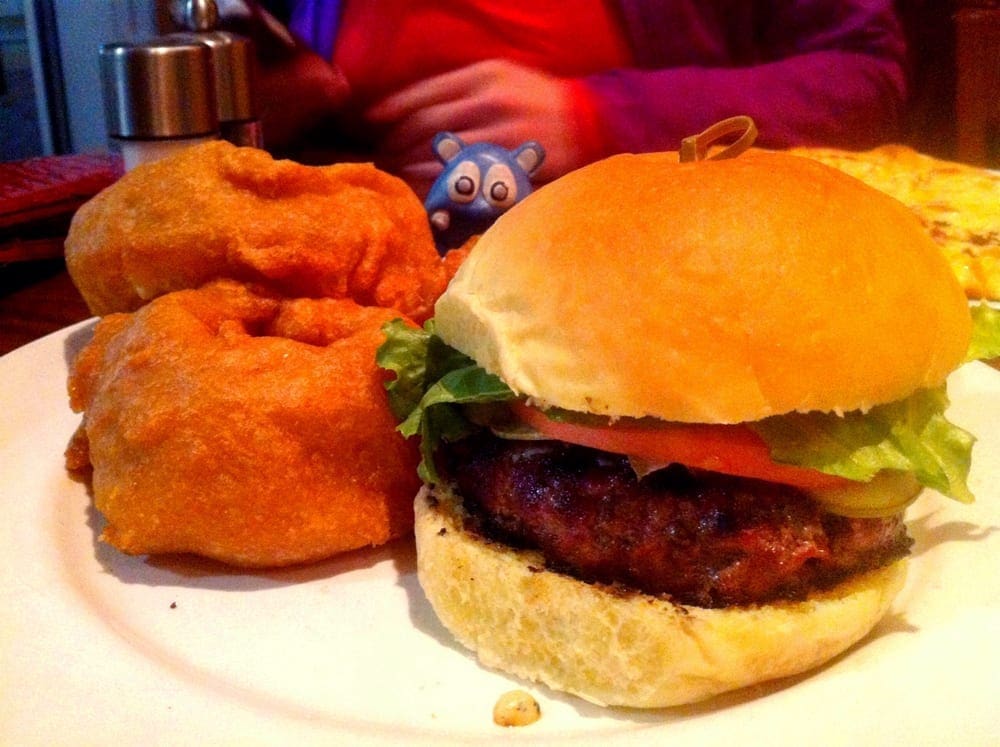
column 702, row 539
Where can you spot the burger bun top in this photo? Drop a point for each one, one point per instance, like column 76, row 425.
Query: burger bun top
column 712, row 291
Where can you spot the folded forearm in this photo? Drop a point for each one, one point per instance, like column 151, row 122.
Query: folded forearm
column 836, row 98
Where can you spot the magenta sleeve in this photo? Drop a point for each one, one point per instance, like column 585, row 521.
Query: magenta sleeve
column 827, row 72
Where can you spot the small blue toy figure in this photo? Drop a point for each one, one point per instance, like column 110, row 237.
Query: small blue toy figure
column 479, row 183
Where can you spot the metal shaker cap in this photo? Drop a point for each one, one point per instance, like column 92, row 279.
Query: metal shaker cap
column 234, row 61
column 161, row 89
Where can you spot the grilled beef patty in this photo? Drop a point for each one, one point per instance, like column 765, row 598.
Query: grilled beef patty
column 700, row 538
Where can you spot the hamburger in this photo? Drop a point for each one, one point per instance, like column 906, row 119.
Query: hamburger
column 670, row 416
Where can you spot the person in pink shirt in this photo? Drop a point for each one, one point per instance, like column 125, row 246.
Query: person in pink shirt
column 380, row 78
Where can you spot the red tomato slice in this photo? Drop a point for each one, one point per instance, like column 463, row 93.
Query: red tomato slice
column 730, row 449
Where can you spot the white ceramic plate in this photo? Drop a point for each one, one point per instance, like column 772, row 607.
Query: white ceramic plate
column 99, row 648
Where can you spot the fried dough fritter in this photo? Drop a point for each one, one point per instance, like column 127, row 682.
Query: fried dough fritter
column 243, row 427
column 216, row 211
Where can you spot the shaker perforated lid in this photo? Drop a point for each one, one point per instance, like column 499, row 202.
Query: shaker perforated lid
column 162, row 89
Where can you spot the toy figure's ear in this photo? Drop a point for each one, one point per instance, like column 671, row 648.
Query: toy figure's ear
column 447, row 146
column 529, row 156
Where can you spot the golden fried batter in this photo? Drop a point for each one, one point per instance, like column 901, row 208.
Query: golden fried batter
column 242, row 427
column 217, row 211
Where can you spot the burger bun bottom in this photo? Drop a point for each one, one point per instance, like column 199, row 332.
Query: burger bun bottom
column 623, row 648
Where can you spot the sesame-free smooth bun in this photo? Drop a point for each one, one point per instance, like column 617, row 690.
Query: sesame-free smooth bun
column 712, row 291
column 625, row 648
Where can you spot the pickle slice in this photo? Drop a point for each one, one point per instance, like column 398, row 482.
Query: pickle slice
column 886, row 494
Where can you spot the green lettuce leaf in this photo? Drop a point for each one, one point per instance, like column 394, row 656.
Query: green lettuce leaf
column 911, row 435
column 440, row 395
column 433, row 382
column 985, row 343
column 404, row 352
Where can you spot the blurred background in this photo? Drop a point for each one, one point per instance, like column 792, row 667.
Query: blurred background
column 50, row 96
column 50, row 101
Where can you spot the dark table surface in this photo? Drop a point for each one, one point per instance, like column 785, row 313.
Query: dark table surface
column 38, row 198
column 36, row 298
